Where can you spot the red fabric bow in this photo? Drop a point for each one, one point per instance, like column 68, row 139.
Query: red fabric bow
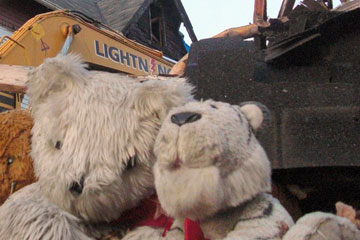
column 147, row 214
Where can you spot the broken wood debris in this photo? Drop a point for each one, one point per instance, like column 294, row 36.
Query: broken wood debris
column 286, row 8
column 13, row 78
column 294, row 27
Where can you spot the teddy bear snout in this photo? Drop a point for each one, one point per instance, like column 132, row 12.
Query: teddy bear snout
column 185, row 117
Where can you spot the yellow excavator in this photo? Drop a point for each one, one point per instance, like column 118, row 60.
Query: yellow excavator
column 59, row 32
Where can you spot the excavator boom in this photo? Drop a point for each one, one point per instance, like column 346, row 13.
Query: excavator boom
column 43, row 36
column 46, row 35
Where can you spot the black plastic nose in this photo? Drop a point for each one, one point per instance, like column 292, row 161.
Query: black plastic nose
column 185, row 117
column 77, row 187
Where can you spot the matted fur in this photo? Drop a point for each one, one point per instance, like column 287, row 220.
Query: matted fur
column 87, row 128
column 320, row 225
column 28, row 215
column 15, row 126
column 214, row 170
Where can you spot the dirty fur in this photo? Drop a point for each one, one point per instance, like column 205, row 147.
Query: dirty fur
column 320, row 225
column 92, row 145
column 214, row 170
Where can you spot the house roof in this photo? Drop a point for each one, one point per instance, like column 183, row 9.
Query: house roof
column 89, row 7
column 111, row 10
column 118, row 14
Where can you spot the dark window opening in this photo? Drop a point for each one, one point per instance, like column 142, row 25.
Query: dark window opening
column 156, row 25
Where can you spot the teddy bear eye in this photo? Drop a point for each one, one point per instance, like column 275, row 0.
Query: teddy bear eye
column 213, row 106
column 9, row 160
column 58, row 145
column 77, row 187
column 131, row 163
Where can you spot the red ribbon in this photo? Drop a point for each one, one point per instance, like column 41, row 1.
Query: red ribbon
column 192, row 230
column 144, row 215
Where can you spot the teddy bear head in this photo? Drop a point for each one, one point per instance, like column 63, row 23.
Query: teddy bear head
column 93, row 135
column 208, row 158
column 16, row 169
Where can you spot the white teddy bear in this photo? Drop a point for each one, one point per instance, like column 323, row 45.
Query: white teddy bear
column 212, row 176
column 210, row 168
column 92, row 147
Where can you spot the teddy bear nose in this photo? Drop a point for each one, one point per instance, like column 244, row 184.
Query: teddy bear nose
column 185, row 117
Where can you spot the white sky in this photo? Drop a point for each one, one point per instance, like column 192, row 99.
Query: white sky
column 210, row 17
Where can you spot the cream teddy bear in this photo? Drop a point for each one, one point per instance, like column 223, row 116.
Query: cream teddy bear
column 92, row 147
column 212, row 176
column 211, row 169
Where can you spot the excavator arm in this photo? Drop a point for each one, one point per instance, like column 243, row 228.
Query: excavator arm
column 49, row 34
column 44, row 36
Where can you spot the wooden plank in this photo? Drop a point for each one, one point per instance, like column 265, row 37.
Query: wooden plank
column 260, row 11
column 3, row 105
column 162, row 28
column 315, row 6
column 6, row 95
column 260, row 17
column 13, row 78
column 286, row 8
column 186, row 20
column 247, row 31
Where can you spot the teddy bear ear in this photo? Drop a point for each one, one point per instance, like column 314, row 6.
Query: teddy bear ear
column 53, row 75
column 257, row 114
column 159, row 96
